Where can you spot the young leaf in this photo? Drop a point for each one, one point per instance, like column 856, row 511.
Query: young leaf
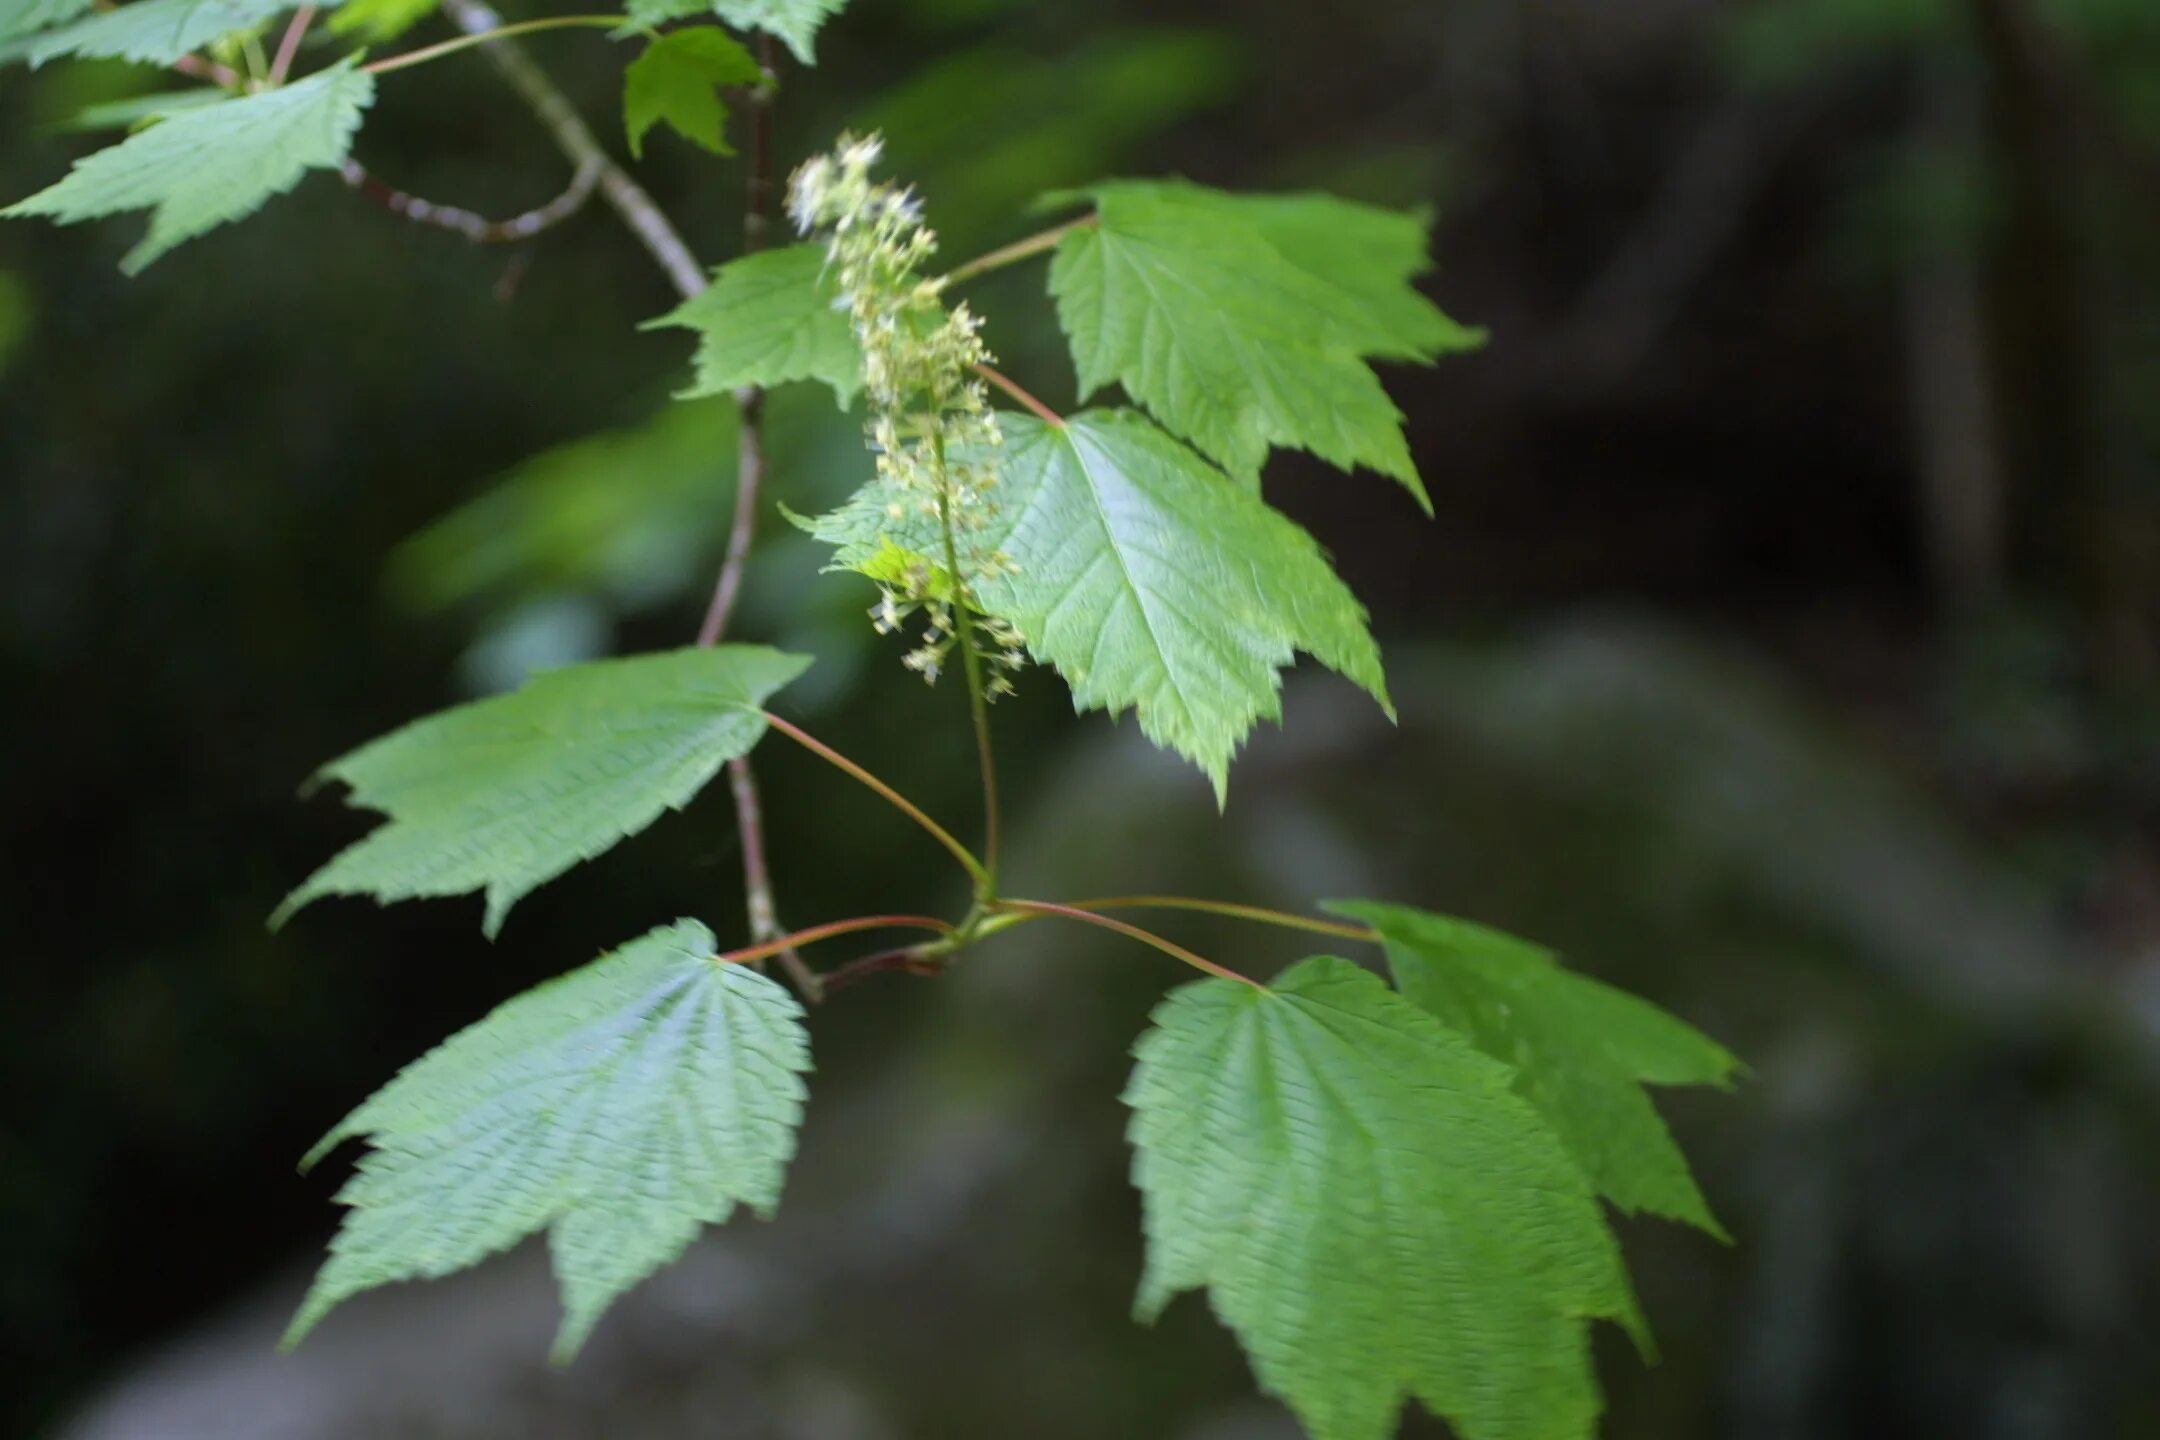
column 794, row 21
column 380, row 20
column 619, row 1108
column 1143, row 577
column 1581, row 1050
column 1370, row 1208
column 1242, row 322
column 507, row 793
column 155, row 32
column 677, row 80
column 766, row 319
column 201, row 168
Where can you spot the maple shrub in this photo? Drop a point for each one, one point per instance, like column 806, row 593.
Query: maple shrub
column 1387, row 1191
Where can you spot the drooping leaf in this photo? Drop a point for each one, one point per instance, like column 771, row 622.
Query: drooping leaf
column 198, row 170
column 26, row 17
column 1148, row 581
column 507, row 793
column 1581, row 1050
column 619, row 1108
column 794, row 21
column 155, row 32
column 1371, row 1209
column 380, row 20
column 766, row 319
column 1244, row 322
column 678, row 80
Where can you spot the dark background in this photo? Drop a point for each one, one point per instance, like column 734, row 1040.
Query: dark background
column 1784, row 649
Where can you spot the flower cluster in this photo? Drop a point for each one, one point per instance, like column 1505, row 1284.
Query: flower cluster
column 931, row 425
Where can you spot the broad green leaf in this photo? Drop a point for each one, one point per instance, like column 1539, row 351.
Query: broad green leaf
column 766, row 319
column 202, row 168
column 620, row 1108
column 1371, row 1209
column 1581, row 1050
column 380, row 19
column 155, row 32
column 677, row 80
column 507, row 793
column 26, row 17
column 1145, row 578
column 794, row 21
column 1244, row 322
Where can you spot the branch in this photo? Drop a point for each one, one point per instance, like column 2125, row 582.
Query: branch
column 477, row 228
column 575, row 139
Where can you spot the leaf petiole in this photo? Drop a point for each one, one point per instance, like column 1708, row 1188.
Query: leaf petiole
column 1017, row 251
column 466, row 42
column 1257, row 913
column 1045, row 909
column 829, row 931
column 898, row 801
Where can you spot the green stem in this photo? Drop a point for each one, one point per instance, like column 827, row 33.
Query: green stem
column 898, row 801
column 1133, row 932
column 830, row 931
column 978, row 695
column 466, row 42
column 1017, row 251
column 1012, row 387
column 1237, row 912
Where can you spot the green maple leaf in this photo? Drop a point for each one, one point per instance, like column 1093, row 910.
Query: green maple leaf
column 1149, row 582
column 507, row 793
column 766, row 319
column 794, row 21
column 26, row 17
column 201, row 168
column 1581, row 1050
column 678, row 80
column 1371, row 1209
column 1244, row 322
column 620, row 1108
column 155, row 32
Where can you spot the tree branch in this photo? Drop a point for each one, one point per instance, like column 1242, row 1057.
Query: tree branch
column 477, row 228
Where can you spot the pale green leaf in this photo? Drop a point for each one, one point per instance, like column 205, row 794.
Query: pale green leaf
column 199, row 169
column 507, row 793
column 769, row 318
column 794, row 21
column 155, row 32
column 1581, row 1050
column 26, row 17
column 1371, row 1209
column 1145, row 578
column 620, row 1108
column 380, row 19
column 678, row 80
column 136, row 110
column 1244, row 322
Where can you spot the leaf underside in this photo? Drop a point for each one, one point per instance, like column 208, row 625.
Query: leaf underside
column 1581, row 1050
column 677, row 80
column 507, row 793
column 202, row 167
column 1371, row 1209
column 27, row 17
column 1150, row 582
column 620, row 1108
column 794, row 21
column 767, row 319
column 1244, row 322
